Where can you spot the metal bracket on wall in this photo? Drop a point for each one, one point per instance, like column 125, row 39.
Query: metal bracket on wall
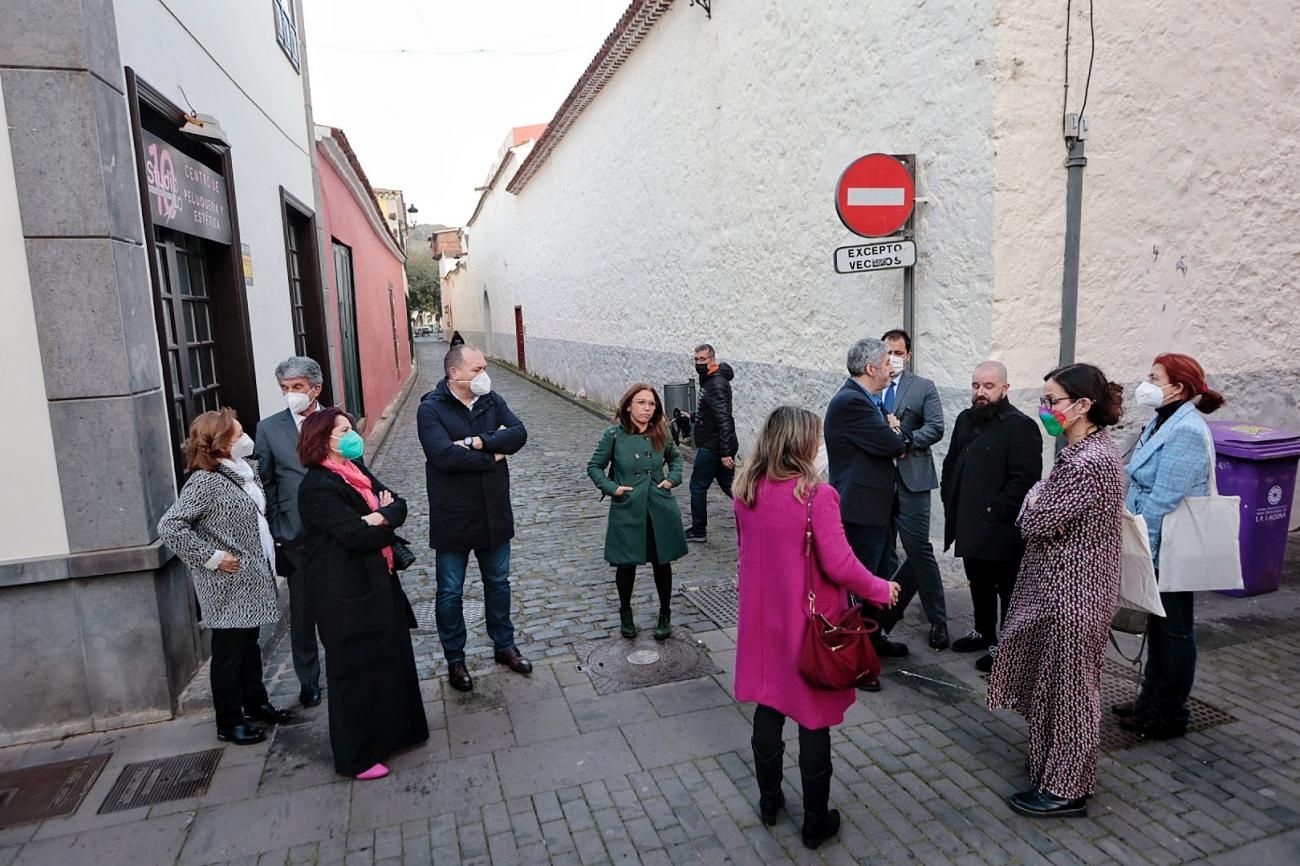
column 705, row 5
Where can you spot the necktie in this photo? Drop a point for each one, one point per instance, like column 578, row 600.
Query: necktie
column 889, row 397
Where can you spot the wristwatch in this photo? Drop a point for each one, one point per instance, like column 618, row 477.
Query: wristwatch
column 469, row 442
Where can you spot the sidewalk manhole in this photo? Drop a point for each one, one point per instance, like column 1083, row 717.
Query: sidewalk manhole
column 157, row 781
column 618, row 664
column 426, row 615
column 47, row 790
column 1118, row 685
column 718, row 603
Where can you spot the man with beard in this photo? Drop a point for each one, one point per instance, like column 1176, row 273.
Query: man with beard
column 995, row 456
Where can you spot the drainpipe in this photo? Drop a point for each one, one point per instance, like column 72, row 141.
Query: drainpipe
column 1076, row 131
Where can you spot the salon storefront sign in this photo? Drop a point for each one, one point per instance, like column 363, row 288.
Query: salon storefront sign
column 184, row 194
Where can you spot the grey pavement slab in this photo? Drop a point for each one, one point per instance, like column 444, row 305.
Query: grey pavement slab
column 155, row 841
column 571, row 761
column 685, row 737
column 268, row 823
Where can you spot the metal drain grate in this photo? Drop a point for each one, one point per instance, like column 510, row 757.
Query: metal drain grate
column 47, row 790
column 718, row 603
column 426, row 614
column 1120, row 684
column 162, row 779
column 618, row 664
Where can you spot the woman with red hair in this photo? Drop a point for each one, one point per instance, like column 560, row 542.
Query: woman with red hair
column 1171, row 462
column 375, row 707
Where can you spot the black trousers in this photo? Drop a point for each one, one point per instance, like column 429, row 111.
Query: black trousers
column 991, row 582
column 236, row 670
column 302, row 625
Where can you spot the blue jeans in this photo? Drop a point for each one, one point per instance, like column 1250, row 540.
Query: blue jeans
column 1171, row 660
column 450, row 566
column 707, row 469
column 920, row 571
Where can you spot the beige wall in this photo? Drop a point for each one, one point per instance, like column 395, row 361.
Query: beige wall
column 31, row 511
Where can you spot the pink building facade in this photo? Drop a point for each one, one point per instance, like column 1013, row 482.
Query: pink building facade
column 370, row 333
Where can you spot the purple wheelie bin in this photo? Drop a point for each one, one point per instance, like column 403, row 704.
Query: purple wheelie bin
column 1258, row 464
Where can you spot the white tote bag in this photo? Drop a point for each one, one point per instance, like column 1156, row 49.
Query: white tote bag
column 1199, row 542
column 1137, row 584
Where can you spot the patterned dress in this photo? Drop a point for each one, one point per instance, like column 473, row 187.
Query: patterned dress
column 1048, row 664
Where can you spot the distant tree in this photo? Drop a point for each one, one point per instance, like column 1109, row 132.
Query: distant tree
column 422, row 275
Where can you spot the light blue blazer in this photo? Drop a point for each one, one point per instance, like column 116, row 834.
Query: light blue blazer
column 1167, row 466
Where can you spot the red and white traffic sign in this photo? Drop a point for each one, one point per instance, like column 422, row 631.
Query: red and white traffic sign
column 875, row 195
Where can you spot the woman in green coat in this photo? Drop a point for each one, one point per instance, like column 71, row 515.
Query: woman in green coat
column 645, row 524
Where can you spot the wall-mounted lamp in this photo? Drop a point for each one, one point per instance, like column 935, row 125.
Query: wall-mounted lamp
column 204, row 126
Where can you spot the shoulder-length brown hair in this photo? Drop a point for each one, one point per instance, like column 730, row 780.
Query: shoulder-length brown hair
column 314, row 438
column 657, row 429
column 209, row 440
column 786, row 448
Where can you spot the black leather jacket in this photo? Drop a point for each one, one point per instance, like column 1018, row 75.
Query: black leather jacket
column 715, row 429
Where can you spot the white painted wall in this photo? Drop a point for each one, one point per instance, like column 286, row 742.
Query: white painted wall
column 31, row 525
column 226, row 59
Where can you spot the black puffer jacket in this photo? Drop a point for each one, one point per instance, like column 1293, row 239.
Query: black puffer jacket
column 715, row 429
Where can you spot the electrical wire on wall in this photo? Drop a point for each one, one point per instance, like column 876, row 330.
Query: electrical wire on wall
column 1092, row 53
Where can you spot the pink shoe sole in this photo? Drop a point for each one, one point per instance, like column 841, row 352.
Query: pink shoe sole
column 378, row 771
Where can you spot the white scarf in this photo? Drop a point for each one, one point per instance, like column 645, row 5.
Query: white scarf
column 249, row 483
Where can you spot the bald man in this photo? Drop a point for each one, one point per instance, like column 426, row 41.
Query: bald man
column 995, row 456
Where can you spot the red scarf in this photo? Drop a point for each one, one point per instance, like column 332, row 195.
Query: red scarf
column 360, row 482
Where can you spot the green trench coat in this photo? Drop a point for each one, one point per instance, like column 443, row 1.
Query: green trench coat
column 637, row 465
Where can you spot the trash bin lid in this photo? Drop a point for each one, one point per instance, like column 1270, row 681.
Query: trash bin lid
column 1254, row 441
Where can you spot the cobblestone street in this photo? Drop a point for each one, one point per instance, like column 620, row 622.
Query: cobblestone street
column 589, row 761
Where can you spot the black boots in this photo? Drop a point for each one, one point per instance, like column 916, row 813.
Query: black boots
column 770, row 798
column 626, row 625
column 819, row 823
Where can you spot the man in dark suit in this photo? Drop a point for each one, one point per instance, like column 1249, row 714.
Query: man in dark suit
column 912, row 402
column 276, row 453
column 995, row 456
column 861, row 447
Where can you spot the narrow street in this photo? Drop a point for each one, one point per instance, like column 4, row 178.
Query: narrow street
column 602, row 758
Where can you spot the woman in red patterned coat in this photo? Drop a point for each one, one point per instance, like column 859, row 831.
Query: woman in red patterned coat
column 1048, row 664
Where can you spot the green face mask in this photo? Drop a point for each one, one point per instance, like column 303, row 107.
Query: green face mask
column 351, row 445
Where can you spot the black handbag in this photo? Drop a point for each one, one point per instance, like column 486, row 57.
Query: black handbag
column 403, row 557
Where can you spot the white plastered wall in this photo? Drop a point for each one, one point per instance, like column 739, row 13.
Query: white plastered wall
column 31, row 514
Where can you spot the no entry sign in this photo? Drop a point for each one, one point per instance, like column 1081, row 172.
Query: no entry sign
column 875, row 195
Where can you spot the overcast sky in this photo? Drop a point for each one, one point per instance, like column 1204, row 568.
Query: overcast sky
column 426, row 90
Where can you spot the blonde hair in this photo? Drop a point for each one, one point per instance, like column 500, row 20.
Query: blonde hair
column 786, row 448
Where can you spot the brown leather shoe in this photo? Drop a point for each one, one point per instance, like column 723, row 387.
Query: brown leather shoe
column 458, row 677
column 514, row 660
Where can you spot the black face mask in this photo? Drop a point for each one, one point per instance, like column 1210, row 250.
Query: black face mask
column 701, row 368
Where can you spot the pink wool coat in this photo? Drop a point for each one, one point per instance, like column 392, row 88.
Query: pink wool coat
column 774, row 606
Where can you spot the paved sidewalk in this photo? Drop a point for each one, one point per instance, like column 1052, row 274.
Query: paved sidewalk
column 569, row 767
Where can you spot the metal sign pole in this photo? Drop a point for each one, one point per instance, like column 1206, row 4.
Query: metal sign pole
column 909, row 273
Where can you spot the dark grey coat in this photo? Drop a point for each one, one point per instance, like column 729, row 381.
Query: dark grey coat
column 214, row 513
column 276, row 452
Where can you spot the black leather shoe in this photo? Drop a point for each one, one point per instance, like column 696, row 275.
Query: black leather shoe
column 869, row 685
column 1153, row 729
column 696, row 537
column 984, row 664
column 514, row 660
column 242, row 734
column 886, row 648
column 309, row 697
column 1040, row 804
column 269, row 713
column 939, row 636
column 971, row 642
column 458, row 677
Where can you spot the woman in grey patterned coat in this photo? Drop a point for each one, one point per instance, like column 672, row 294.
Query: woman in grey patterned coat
column 217, row 526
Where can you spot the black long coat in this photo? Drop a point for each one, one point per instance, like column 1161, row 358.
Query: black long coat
column 375, row 707
column 469, row 490
column 986, row 475
column 861, row 449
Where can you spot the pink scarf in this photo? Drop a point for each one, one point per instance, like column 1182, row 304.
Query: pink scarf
column 360, row 482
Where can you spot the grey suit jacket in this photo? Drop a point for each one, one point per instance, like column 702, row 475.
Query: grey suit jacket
column 276, row 453
column 917, row 408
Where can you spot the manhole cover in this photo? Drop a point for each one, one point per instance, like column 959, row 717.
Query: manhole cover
column 935, row 682
column 47, row 790
column 162, row 779
column 1119, row 684
column 426, row 616
column 617, row 664
column 718, row 603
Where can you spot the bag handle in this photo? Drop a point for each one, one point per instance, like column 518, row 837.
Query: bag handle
column 1214, row 459
column 808, row 560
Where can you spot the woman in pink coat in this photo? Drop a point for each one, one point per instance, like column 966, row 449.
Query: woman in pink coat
column 771, row 501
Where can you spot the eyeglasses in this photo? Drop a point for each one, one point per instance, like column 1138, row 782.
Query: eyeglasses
column 1050, row 402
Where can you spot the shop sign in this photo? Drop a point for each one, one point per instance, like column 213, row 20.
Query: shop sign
column 184, row 194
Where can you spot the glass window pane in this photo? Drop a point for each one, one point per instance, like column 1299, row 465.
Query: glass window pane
column 196, row 380
column 188, row 307
column 207, row 356
column 203, row 322
column 182, row 273
column 174, row 371
column 167, row 321
column 198, row 278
